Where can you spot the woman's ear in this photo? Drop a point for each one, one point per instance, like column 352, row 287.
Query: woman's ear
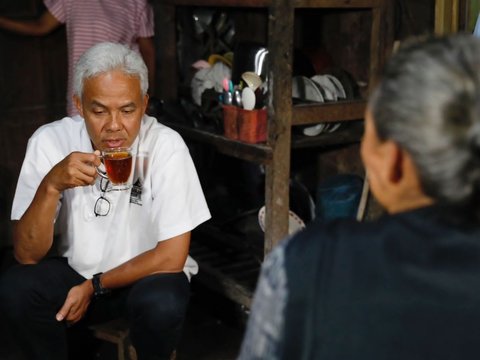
column 402, row 179
column 386, row 162
column 393, row 158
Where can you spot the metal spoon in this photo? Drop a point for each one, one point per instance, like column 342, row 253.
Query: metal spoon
column 237, row 99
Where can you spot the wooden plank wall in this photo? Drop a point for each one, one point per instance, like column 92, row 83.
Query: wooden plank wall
column 455, row 15
column 446, row 16
column 33, row 77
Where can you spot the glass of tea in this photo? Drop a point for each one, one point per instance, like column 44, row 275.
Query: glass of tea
column 118, row 167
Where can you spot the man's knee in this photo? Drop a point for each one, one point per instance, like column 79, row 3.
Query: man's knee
column 15, row 290
column 161, row 303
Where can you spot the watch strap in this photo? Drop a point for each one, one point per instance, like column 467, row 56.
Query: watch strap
column 98, row 289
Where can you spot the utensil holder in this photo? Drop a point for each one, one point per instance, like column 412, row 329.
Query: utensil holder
column 252, row 125
column 230, row 123
column 249, row 126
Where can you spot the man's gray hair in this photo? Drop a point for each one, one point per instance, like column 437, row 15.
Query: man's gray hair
column 107, row 56
column 428, row 101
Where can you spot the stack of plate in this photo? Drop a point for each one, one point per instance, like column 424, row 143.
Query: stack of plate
column 318, row 88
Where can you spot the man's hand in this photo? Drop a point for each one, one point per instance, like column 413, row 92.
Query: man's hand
column 76, row 303
column 77, row 169
column 33, row 233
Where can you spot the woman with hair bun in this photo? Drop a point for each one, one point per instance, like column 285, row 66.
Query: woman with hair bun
column 406, row 285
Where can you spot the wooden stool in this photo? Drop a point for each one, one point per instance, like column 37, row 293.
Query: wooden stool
column 116, row 332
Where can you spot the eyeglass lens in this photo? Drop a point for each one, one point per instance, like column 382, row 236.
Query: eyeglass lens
column 102, row 205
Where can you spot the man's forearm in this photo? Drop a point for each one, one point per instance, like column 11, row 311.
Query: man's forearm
column 168, row 257
column 33, row 233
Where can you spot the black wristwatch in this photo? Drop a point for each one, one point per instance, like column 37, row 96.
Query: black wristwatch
column 98, row 289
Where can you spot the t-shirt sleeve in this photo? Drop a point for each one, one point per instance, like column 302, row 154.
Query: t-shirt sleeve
column 57, row 9
column 265, row 329
column 179, row 204
column 146, row 21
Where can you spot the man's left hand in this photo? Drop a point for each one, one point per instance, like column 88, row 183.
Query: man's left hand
column 77, row 302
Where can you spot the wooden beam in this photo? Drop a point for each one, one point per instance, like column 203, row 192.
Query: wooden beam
column 165, row 32
column 280, row 27
column 329, row 112
column 446, row 16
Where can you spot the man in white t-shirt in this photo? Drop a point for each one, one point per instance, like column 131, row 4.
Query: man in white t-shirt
column 119, row 252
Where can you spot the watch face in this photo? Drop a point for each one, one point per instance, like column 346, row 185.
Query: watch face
column 98, row 289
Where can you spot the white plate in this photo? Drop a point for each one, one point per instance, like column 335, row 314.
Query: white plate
column 333, row 89
column 329, row 88
column 332, row 127
column 338, row 86
column 294, row 222
column 314, row 130
column 305, row 89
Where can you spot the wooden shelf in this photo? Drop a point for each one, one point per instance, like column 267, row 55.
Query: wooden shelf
column 328, row 112
column 350, row 111
column 224, row 266
column 262, row 153
column 259, row 153
column 351, row 132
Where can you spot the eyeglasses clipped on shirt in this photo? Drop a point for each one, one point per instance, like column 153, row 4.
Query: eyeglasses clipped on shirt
column 102, row 205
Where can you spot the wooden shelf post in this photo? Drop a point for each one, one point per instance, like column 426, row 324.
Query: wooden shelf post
column 446, row 16
column 280, row 26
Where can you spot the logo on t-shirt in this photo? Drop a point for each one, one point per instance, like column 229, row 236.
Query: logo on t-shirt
column 136, row 193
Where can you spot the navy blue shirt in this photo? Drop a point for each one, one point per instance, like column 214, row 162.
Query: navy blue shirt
column 406, row 286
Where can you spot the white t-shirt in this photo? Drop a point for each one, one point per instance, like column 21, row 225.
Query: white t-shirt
column 166, row 199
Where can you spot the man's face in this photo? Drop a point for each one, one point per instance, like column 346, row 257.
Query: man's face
column 112, row 106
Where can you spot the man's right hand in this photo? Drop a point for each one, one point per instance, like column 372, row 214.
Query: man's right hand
column 77, row 169
column 33, row 233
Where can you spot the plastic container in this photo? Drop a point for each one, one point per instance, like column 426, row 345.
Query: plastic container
column 339, row 196
column 249, row 126
column 230, row 126
column 252, row 125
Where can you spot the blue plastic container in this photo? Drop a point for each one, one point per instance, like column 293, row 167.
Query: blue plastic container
column 338, row 197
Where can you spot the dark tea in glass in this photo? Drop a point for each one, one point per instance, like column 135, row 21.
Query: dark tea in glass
column 118, row 167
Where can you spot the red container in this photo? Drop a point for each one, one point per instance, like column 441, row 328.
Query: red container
column 230, row 123
column 252, row 125
column 249, row 126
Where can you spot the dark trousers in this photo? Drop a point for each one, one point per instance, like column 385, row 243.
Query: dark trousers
column 31, row 295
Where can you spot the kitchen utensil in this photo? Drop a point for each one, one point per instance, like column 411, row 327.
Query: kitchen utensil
column 252, row 80
column 248, row 98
